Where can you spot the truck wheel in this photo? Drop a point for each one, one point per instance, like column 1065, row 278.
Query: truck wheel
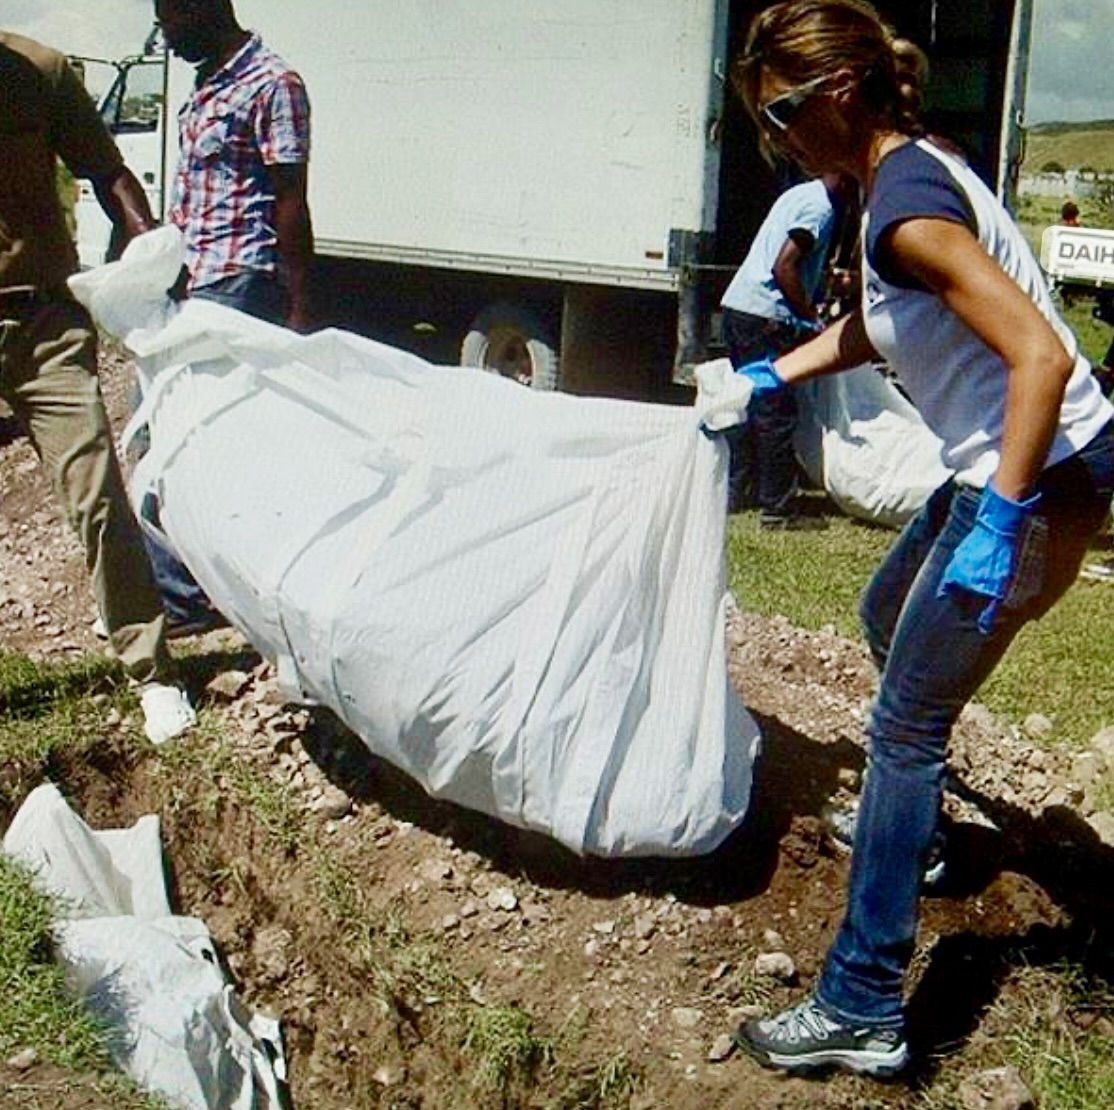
column 509, row 340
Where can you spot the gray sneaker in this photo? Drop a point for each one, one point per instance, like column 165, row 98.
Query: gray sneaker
column 839, row 824
column 805, row 1038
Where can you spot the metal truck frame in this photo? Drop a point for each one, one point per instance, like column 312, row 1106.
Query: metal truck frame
column 132, row 102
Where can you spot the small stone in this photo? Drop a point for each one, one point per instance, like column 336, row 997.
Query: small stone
column 228, row 685
column 644, row 926
column 388, row 1076
column 686, row 1017
column 772, row 939
column 502, row 898
column 604, row 928
column 722, row 1047
column 534, row 913
column 333, row 804
column 1057, row 797
column 1033, row 783
column 977, row 714
column 775, row 965
column 740, row 1014
column 469, row 909
column 112, row 718
column 719, row 971
column 271, row 953
column 1086, row 767
column 1103, row 825
column 23, row 1060
column 995, row 1089
column 435, row 871
column 1037, row 725
column 449, row 921
column 1103, row 743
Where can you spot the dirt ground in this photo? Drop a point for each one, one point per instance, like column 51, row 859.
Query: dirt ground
column 653, row 960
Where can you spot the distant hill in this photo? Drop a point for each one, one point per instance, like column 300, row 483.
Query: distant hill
column 1073, row 145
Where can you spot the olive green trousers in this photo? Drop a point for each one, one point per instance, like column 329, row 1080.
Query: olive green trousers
column 48, row 375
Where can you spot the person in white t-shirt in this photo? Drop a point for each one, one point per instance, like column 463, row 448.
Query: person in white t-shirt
column 955, row 303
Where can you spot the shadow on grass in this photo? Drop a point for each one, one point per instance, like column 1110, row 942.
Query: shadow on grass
column 967, row 972
column 1064, row 856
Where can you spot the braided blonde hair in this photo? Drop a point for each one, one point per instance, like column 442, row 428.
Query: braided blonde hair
column 803, row 40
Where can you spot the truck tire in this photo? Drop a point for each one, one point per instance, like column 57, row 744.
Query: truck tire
column 509, row 340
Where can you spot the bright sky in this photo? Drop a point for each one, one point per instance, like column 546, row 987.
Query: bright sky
column 1071, row 76
column 97, row 28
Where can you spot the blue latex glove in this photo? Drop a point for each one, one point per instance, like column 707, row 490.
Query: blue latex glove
column 762, row 376
column 986, row 559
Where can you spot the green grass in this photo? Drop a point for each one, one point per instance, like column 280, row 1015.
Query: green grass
column 1066, row 1067
column 1062, row 666
column 813, row 578
column 1073, row 146
column 34, row 1008
column 505, row 1047
column 36, row 1011
column 46, row 709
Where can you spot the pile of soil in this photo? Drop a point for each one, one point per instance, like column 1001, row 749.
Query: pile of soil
column 651, row 962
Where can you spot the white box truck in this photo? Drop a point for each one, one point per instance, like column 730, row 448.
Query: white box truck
column 130, row 94
column 560, row 192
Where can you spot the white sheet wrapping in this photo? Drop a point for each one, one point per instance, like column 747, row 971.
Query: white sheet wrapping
column 153, row 978
column 862, row 441
column 516, row 597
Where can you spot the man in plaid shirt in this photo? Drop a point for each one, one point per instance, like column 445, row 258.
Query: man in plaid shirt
column 239, row 196
column 240, row 189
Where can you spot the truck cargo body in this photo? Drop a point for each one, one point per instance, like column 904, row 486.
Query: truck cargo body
column 562, row 191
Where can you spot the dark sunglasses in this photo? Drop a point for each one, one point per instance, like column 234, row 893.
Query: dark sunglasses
column 778, row 114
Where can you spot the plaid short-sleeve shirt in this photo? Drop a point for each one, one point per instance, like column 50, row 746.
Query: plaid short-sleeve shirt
column 250, row 114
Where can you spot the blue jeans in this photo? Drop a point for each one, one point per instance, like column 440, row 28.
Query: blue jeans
column 257, row 293
column 933, row 658
column 763, row 446
column 186, row 603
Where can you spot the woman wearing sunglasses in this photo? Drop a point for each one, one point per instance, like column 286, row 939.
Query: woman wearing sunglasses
column 955, row 303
